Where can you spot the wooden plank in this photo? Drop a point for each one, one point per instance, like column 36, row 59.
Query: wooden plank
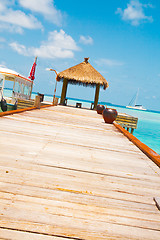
column 62, row 208
column 78, row 183
column 19, row 235
column 71, row 227
column 73, row 197
column 53, row 170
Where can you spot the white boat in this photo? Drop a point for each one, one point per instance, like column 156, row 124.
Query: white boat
column 22, row 86
column 135, row 105
column 138, row 107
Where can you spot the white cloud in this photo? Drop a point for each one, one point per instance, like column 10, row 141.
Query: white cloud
column 108, row 62
column 58, row 45
column 13, row 19
column 44, row 7
column 134, row 13
column 10, row 18
column 20, row 19
column 2, row 6
column 11, row 28
column 21, row 49
column 86, row 40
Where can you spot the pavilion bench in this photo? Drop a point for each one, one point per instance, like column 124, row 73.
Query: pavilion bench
column 78, row 105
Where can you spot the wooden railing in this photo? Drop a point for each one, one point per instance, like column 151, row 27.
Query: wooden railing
column 21, row 103
column 127, row 121
column 28, row 103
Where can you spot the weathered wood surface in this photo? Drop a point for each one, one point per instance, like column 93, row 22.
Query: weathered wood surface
column 126, row 120
column 64, row 173
column 24, row 103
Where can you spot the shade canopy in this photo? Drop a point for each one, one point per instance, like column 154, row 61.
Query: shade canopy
column 84, row 74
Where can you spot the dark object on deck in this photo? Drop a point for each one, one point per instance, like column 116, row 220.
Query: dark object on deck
column 65, row 102
column 41, row 96
column 157, row 201
column 100, row 108
column 109, row 115
column 78, row 105
column 92, row 106
column 15, row 106
column 3, row 105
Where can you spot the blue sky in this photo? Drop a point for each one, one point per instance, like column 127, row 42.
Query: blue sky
column 121, row 37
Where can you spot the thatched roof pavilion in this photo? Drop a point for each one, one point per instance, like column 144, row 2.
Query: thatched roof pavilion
column 82, row 74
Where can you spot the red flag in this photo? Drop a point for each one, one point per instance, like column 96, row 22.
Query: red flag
column 33, row 69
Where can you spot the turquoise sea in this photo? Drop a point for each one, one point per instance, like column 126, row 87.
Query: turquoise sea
column 148, row 128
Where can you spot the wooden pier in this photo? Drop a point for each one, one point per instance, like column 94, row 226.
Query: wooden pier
column 65, row 174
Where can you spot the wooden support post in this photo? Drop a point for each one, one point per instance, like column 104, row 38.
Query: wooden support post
column 64, row 91
column 55, row 101
column 128, row 129
column 132, row 129
column 96, row 96
column 37, row 102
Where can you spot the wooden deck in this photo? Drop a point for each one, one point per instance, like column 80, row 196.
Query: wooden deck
column 65, row 174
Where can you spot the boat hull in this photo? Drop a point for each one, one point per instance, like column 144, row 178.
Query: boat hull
column 137, row 108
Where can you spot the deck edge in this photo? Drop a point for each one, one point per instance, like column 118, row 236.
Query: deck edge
column 154, row 156
column 22, row 110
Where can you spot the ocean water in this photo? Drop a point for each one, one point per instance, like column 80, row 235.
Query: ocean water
column 148, row 128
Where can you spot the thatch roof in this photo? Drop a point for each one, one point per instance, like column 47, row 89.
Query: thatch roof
column 84, row 74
